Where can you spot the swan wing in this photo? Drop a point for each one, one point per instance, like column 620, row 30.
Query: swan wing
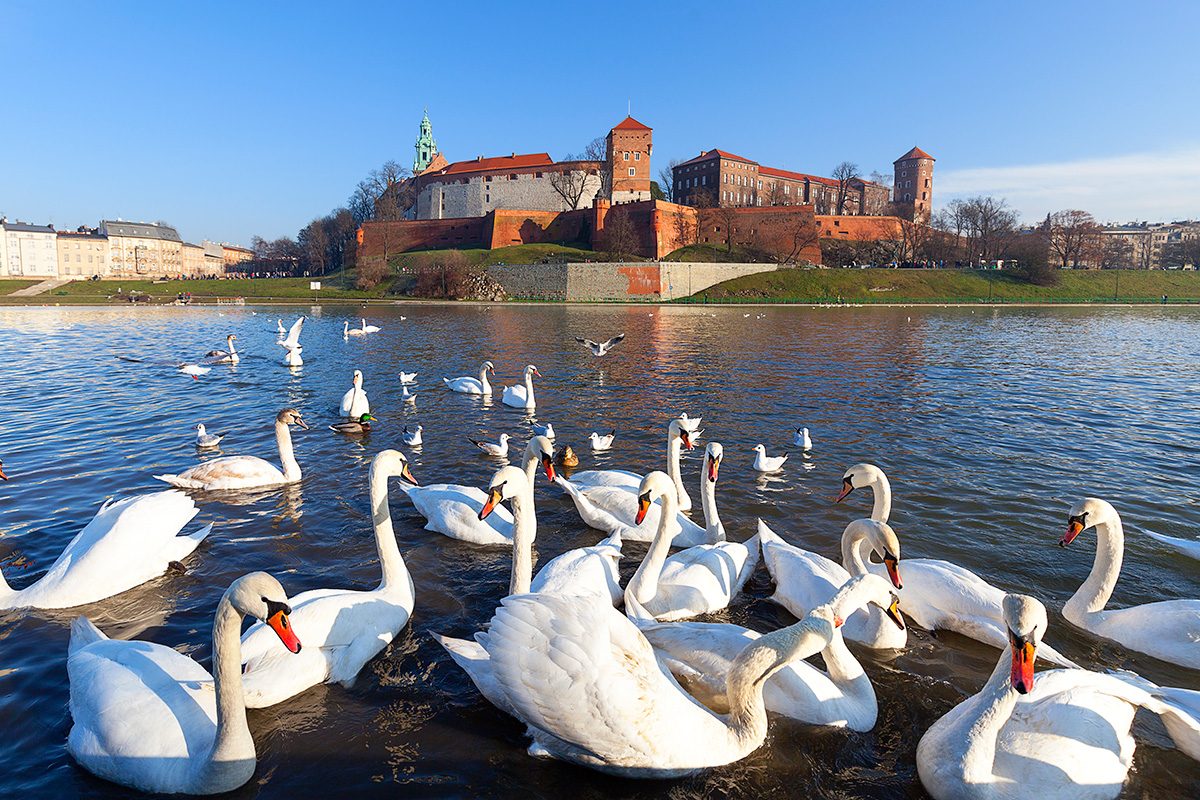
column 1168, row 630
column 702, row 579
column 803, row 579
column 293, row 336
column 474, row 660
column 582, row 570
column 230, row 472
column 453, row 511
column 1189, row 547
column 620, row 502
column 606, row 477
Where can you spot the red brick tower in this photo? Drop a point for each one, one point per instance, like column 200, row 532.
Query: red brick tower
column 628, row 155
column 912, row 191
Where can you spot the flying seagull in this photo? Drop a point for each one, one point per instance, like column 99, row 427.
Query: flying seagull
column 599, row 349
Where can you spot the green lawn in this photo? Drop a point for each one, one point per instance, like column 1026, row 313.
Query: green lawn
column 263, row 288
column 10, row 286
column 953, row 285
column 710, row 253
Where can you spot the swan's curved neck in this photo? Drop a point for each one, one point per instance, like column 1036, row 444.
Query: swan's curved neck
column 844, row 670
column 853, row 541
column 674, row 448
column 881, row 489
column 529, row 388
column 981, row 725
column 1093, row 595
column 287, row 458
column 761, row 659
column 524, row 531
column 232, row 349
column 644, row 583
column 395, row 571
column 483, row 381
column 532, row 461
column 232, row 741
column 708, row 499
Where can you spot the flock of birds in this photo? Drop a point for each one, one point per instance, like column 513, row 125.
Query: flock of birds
column 643, row 692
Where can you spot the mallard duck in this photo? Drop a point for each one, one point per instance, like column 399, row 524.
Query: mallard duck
column 354, row 427
column 567, row 458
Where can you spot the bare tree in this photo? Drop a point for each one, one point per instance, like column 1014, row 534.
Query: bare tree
column 985, row 226
column 666, row 181
column 620, row 238
column 726, row 217
column 595, row 150
column 1071, row 235
column 776, row 196
column 844, row 173
column 314, row 245
column 1116, row 252
column 571, row 184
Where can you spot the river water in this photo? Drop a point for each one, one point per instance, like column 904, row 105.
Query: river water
column 988, row 422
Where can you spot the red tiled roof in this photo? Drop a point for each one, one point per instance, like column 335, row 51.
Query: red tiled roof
column 796, row 176
column 916, row 152
column 715, row 153
column 498, row 163
column 631, row 124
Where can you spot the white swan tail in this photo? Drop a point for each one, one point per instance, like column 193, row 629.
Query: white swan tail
column 83, row 633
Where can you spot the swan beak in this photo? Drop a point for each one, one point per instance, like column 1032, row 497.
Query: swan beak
column 643, row 507
column 492, row 501
column 714, row 466
column 279, row 622
column 407, row 475
column 686, row 438
column 847, row 488
column 3, row 477
column 893, row 611
column 893, row 569
column 1074, row 528
column 548, row 465
column 535, row 372
column 1023, row 654
column 301, row 423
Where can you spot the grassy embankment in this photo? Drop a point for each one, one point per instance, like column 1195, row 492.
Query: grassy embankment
column 953, row 286
column 10, row 286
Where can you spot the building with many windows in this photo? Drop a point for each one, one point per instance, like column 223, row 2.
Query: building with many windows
column 82, row 253
column 28, row 251
column 142, row 248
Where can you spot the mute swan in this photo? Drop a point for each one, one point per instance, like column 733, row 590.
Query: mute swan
column 354, row 427
column 342, row 628
column 370, row 328
column 546, row 430
column 805, row 580
column 453, row 510
column 3, row 477
column 1065, row 737
column 700, row 655
column 291, row 343
column 347, row 331
column 1168, row 630
column 467, row 385
column 354, row 402
column 411, row 438
column 246, row 472
column 228, row 356
column 679, row 436
column 588, row 685
column 600, row 348
column 940, row 595
column 495, row 450
column 206, row 439
column 602, row 443
column 1189, row 547
column 801, row 439
column 700, row 579
column 127, row 543
column 522, row 396
column 148, row 717
column 766, row 463
column 282, row 332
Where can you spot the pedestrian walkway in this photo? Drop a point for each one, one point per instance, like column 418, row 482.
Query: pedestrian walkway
column 38, row 288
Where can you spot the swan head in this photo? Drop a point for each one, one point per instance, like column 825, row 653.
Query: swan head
column 230, row 337
column 683, row 434
column 489, row 367
column 260, row 596
column 883, row 541
column 3, row 477
column 859, row 476
column 290, row 416
column 541, row 450
column 713, row 454
column 860, row 592
column 655, row 485
column 532, row 370
column 357, row 379
column 393, row 462
column 507, row 483
column 1087, row 513
column 1025, row 618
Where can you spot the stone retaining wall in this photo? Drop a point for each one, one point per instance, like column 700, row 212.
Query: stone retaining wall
column 620, row 282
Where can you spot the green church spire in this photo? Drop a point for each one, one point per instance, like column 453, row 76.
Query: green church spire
column 426, row 147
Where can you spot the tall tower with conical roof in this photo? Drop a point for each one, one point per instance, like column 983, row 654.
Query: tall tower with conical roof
column 426, row 147
column 912, row 189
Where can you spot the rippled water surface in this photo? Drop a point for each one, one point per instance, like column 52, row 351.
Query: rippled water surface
column 989, row 424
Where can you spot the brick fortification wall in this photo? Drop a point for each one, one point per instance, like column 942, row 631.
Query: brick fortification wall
column 859, row 229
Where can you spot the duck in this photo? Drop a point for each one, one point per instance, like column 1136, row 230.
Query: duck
column 766, row 463
column 354, row 427
column 937, row 594
column 246, row 472
column 204, row 439
column 468, row 385
column 566, row 457
column 546, row 430
column 1065, row 734
column 522, row 396
column 147, row 717
column 342, row 629
column 354, row 402
column 453, row 510
column 291, row 343
column 1169, row 630
column 127, row 543
column 600, row 348
column 701, row 579
column 495, row 450
column 408, row 378
column 411, row 438
column 602, row 443
column 226, row 356
column 700, row 654
column 801, row 439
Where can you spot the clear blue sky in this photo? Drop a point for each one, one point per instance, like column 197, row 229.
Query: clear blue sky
column 235, row 119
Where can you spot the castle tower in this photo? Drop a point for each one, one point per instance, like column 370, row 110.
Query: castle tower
column 912, row 190
column 426, row 147
column 627, row 156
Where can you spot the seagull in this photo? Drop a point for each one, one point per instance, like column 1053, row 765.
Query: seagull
column 407, row 396
column 689, row 423
column 600, row 443
column 206, row 439
column 408, row 378
column 546, row 430
column 411, row 438
column 801, row 439
column 195, row 370
column 497, row 450
column 292, row 344
column 599, row 349
column 766, row 463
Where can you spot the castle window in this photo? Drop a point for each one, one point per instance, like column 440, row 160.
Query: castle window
column 512, row 177
column 626, row 154
column 632, row 172
column 637, row 156
column 704, row 180
column 923, row 196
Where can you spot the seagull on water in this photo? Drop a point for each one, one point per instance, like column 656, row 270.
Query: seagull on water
column 600, row 348
column 497, row 450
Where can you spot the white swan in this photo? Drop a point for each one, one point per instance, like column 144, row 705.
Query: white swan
column 1189, row 547
column 291, row 343
column 354, row 402
column 766, row 463
column 205, row 439
column 126, row 544
column 700, row 654
column 148, row 717
column 805, row 580
column 228, row 356
column 522, row 396
column 282, row 332
column 1067, row 736
column 678, row 438
column 588, row 685
column 453, row 510
column 468, row 385
column 370, row 328
column 701, row 579
column 246, row 472
column 937, row 594
column 347, row 331
column 1168, row 630
column 342, row 629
